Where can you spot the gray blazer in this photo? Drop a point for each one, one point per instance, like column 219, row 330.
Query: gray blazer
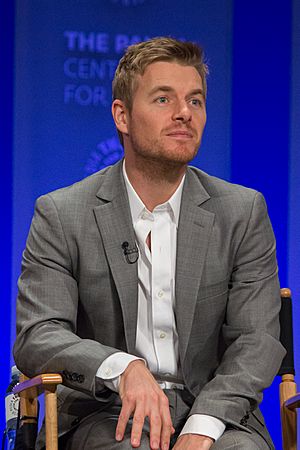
column 78, row 295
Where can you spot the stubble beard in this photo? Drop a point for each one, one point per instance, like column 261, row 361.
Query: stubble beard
column 160, row 164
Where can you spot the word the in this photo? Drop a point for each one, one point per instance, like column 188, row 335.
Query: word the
column 100, row 42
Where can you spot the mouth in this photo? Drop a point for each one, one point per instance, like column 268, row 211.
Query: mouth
column 180, row 134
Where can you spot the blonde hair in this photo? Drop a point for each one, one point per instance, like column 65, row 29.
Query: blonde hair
column 139, row 56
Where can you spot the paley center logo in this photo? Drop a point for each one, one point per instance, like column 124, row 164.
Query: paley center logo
column 90, row 62
column 107, row 152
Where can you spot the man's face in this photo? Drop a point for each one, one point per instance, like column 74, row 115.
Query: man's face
column 168, row 114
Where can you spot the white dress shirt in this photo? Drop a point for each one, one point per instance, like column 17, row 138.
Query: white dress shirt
column 156, row 337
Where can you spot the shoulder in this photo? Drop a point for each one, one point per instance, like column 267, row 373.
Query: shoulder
column 83, row 193
column 232, row 200
column 217, row 187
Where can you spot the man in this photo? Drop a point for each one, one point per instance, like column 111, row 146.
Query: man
column 152, row 286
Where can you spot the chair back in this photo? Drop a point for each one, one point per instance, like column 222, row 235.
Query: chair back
column 286, row 333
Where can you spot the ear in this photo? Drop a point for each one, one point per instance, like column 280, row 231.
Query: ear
column 120, row 115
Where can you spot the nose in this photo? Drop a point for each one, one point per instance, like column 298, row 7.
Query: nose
column 182, row 112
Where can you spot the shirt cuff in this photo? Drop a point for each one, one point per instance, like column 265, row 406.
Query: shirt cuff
column 112, row 367
column 205, row 425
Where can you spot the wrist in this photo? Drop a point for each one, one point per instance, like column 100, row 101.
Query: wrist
column 200, row 441
column 203, row 438
column 133, row 364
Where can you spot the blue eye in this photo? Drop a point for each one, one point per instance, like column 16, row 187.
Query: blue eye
column 196, row 102
column 162, row 99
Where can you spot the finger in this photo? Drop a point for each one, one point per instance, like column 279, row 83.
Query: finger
column 166, row 432
column 137, row 425
column 124, row 416
column 167, row 429
column 155, row 428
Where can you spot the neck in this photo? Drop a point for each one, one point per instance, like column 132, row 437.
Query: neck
column 154, row 181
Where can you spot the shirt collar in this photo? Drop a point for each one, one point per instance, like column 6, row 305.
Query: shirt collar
column 137, row 206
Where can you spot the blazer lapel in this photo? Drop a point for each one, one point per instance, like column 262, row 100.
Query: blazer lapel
column 115, row 225
column 195, row 225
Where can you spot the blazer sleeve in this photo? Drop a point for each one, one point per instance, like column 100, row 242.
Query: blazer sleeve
column 47, row 308
column 253, row 353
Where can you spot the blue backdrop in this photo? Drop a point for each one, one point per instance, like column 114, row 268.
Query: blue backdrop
column 56, row 125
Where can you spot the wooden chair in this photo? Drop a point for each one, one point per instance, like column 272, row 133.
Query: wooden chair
column 289, row 398
column 29, row 389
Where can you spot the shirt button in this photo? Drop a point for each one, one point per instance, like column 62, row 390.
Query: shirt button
column 160, row 293
column 162, row 335
column 108, row 371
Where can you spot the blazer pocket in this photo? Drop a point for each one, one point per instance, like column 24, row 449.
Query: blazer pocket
column 213, row 290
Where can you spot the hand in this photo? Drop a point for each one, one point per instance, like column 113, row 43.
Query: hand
column 142, row 397
column 193, row 442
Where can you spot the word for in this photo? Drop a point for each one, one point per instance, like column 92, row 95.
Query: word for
column 85, row 95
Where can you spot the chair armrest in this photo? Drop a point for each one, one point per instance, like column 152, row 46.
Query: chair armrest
column 293, row 402
column 28, row 390
column 45, row 379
